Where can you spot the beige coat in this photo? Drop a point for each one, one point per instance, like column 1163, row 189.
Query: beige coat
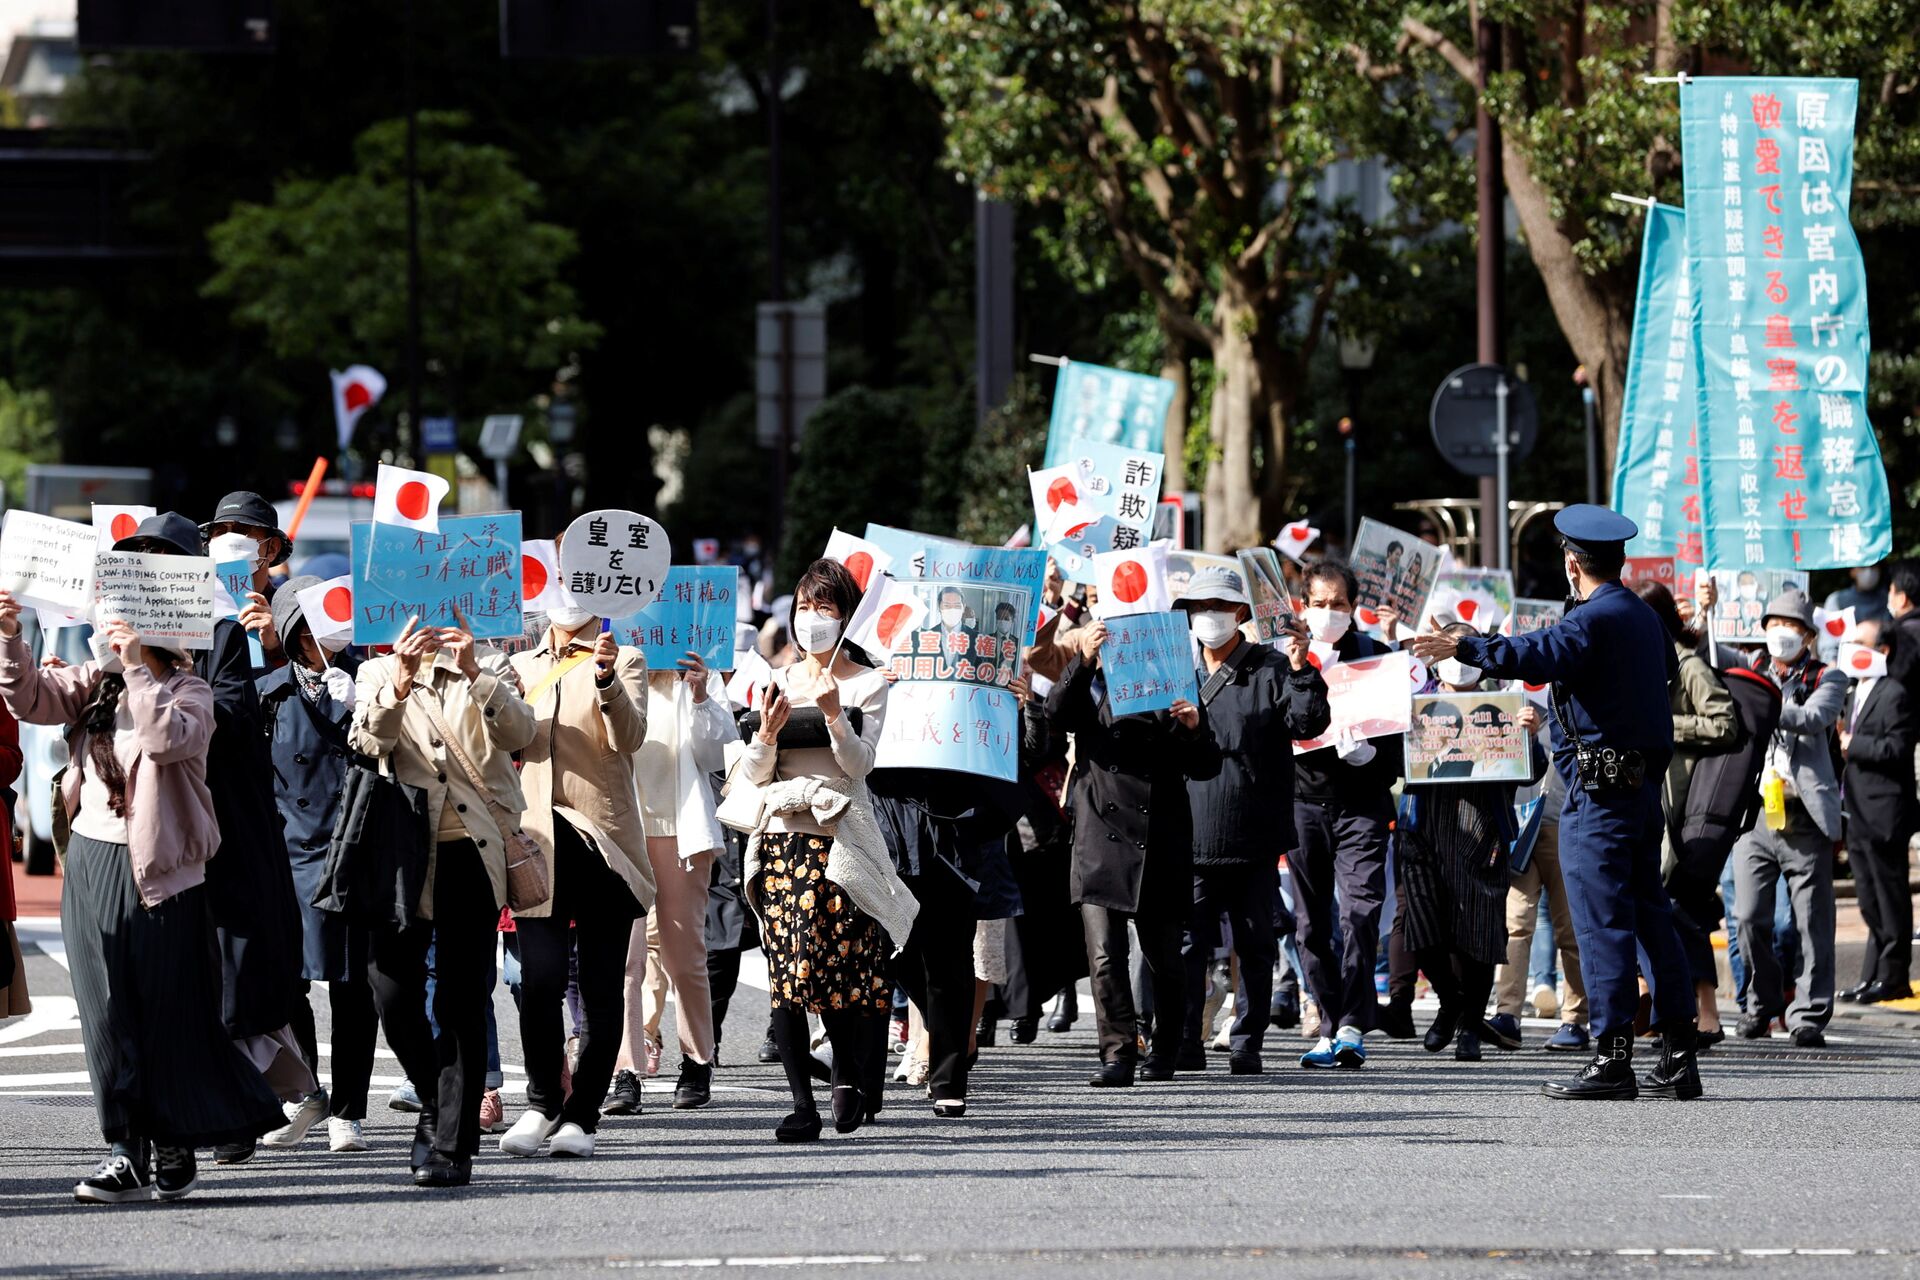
column 492, row 722
column 588, row 734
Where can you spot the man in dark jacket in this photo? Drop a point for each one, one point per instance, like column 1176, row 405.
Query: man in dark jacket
column 1342, row 813
column 1132, row 854
column 1258, row 700
column 1877, row 735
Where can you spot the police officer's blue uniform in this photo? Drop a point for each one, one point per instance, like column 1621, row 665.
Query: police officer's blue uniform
column 1610, row 661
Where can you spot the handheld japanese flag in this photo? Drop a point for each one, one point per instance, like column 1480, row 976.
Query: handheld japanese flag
column 540, row 576
column 862, row 558
column 888, row 616
column 1322, row 655
column 1368, row 620
column 1830, row 627
column 114, row 521
column 328, row 610
column 1295, row 538
column 410, row 499
column 750, row 675
column 1058, row 510
column 1477, row 609
column 1862, row 663
column 354, row 392
column 1132, row 582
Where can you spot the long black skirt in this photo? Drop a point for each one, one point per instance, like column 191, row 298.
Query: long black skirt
column 147, row 981
column 1453, row 868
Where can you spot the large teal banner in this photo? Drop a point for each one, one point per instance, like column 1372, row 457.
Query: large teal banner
column 1791, row 473
column 1656, row 469
column 1111, row 406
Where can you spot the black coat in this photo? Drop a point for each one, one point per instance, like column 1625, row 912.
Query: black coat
column 936, row 815
column 307, row 743
column 1133, row 830
column 1244, row 813
column 1878, row 787
column 249, row 881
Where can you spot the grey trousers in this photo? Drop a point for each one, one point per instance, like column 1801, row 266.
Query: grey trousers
column 1804, row 855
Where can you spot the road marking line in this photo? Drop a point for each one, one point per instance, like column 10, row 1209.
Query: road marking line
column 789, row 1260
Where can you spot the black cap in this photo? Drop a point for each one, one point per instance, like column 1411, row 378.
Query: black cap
column 1591, row 528
column 169, row 527
column 253, row 511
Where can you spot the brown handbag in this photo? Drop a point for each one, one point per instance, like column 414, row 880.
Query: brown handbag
column 528, row 884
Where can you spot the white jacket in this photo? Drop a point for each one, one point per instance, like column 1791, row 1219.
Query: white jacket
column 702, row 731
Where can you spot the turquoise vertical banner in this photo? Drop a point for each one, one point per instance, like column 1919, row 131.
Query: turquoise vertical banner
column 1111, row 406
column 1791, row 473
column 1656, row 468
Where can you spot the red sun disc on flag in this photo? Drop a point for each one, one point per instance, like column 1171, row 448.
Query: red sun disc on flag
column 1368, row 618
column 1862, row 659
column 1313, row 659
column 356, row 396
column 860, row 565
column 339, row 604
column 533, row 577
column 1836, row 627
column 123, row 526
column 893, row 620
column 1129, row 581
column 1061, row 492
column 412, row 500
column 1466, row 609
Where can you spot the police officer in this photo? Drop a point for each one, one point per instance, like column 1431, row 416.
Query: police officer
column 1609, row 661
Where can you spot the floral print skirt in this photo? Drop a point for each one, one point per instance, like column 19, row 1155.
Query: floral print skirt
column 823, row 953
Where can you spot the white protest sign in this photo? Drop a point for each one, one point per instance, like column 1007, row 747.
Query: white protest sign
column 47, row 563
column 170, row 601
column 1371, row 698
column 613, row 562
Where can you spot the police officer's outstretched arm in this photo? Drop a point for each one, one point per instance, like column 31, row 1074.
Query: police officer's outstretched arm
column 1554, row 653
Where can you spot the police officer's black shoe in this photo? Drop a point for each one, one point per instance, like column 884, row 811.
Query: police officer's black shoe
column 1677, row 1075
column 1608, row 1076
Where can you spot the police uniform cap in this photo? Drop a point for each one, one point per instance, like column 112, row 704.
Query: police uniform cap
column 1591, row 528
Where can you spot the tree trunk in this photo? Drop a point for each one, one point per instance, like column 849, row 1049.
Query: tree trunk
column 1595, row 312
column 1278, row 372
column 1177, row 369
column 1239, row 423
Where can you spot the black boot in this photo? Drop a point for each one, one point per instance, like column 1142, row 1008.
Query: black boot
column 1608, row 1076
column 1678, row 1073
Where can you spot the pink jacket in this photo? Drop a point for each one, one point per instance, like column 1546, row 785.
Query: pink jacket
column 171, row 831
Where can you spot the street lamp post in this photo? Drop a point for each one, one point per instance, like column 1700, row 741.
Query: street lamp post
column 1356, row 357
column 1587, row 409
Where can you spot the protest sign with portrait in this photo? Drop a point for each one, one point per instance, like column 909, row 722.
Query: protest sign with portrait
column 1395, row 569
column 1739, row 613
column 1266, row 586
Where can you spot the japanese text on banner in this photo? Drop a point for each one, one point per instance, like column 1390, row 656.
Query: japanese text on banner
column 472, row 564
column 1147, row 660
column 1112, row 406
column 1791, row 473
column 1656, row 475
column 694, row 609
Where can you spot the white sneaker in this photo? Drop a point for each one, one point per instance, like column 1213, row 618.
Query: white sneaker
column 344, row 1135
column 301, row 1116
column 569, row 1141
column 1546, row 1001
column 528, row 1135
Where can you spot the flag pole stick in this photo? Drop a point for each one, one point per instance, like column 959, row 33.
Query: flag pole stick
column 306, row 497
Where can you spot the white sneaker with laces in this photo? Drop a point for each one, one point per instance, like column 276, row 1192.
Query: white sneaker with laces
column 1546, row 1001
column 344, row 1135
column 301, row 1116
column 570, row 1141
column 528, row 1135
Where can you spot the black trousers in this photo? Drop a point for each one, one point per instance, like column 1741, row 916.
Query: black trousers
column 1462, row 983
column 448, row 1071
column 593, row 909
column 1347, row 848
column 1244, row 895
column 723, row 975
column 1886, row 905
column 936, row 968
column 354, row 1028
column 1107, row 955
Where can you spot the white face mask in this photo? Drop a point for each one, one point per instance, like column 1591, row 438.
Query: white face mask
column 1456, row 673
column 813, row 631
column 1784, row 643
column 569, row 618
column 1006, row 626
column 952, row 618
column 226, row 548
column 1213, row 628
column 1327, row 625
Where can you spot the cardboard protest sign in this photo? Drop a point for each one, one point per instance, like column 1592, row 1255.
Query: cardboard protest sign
column 949, row 707
column 1148, row 662
column 1743, row 594
column 614, row 561
column 472, row 565
column 1369, row 699
column 909, row 547
column 1535, row 615
column 1267, row 588
column 1119, row 489
column 115, row 521
column 1481, row 598
column 1131, row 582
column 1395, row 569
column 1468, row 737
column 1182, row 565
column 1638, row 569
column 47, row 563
column 233, row 581
column 170, row 601
column 1093, row 402
column 692, row 610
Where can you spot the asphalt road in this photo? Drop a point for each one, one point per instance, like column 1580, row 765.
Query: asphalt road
column 1798, row 1163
